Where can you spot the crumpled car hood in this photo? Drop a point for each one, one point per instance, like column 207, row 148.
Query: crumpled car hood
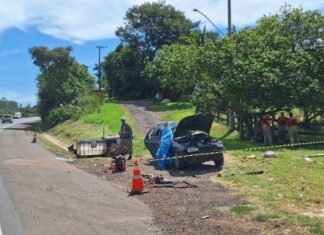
column 198, row 122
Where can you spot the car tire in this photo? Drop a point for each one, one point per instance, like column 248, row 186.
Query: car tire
column 219, row 161
column 180, row 163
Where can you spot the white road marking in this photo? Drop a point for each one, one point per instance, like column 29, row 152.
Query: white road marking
column 0, row 230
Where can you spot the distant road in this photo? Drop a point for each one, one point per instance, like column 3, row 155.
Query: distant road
column 42, row 195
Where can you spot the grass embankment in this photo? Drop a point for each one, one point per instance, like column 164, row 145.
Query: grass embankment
column 93, row 126
column 290, row 191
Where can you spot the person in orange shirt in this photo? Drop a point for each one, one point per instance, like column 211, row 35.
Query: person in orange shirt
column 292, row 129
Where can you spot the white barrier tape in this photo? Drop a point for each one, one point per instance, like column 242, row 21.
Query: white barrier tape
column 244, row 149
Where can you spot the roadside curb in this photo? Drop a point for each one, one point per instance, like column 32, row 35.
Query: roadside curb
column 55, row 141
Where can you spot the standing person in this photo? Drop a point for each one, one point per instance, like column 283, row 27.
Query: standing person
column 126, row 136
column 267, row 135
column 292, row 129
column 282, row 121
column 163, row 152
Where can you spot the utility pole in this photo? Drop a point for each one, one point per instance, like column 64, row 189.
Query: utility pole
column 99, row 66
column 230, row 112
column 229, row 17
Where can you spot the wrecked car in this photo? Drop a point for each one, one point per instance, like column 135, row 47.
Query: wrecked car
column 191, row 137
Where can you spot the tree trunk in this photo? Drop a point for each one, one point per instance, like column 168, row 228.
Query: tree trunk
column 241, row 128
column 255, row 120
column 231, row 118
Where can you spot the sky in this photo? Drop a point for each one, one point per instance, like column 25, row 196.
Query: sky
column 84, row 24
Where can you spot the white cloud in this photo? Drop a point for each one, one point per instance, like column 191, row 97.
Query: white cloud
column 20, row 98
column 5, row 53
column 83, row 20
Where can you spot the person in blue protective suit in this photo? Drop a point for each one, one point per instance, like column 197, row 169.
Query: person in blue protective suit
column 164, row 150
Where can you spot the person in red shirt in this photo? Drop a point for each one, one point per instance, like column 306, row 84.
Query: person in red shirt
column 282, row 121
column 292, row 129
column 267, row 135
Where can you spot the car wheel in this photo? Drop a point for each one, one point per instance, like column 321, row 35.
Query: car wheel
column 180, row 163
column 219, row 161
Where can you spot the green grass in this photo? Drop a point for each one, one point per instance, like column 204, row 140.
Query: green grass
column 241, row 209
column 93, row 126
column 289, row 187
column 174, row 111
column 265, row 217
column 109, row 115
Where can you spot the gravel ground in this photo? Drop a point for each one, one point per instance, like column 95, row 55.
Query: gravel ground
column 182, row 209
column 143, row 114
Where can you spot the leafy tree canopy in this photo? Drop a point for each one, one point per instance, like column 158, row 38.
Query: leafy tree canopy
column 62, row 78
column 151, row 25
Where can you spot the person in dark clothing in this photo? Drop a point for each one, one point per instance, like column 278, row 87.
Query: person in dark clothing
column 282, row 120
column 126, row 136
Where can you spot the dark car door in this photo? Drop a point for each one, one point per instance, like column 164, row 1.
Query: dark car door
column 152, row 140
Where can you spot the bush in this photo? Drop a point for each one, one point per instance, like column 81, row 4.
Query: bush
column 89, row 102
column 83, row 104
column 62, row 114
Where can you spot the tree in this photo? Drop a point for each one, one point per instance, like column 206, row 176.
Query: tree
column 277, row 65
column 123, row 69
column 62, row 78
column 184, row 69
column 8, row 106
column 151, row 25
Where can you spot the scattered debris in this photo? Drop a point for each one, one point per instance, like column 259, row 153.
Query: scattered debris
column 250, row 157
column 314, row 155
column 309, row 160
column 165, row 100
column 118, row 164
column 270, row 154
column 50, row 188
column 280, row 195
column 205, row 217
column 255, row 173
column 196, row 176
column 64, row 159
column 159, row 181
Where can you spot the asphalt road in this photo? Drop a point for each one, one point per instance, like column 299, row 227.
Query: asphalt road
column 42, row 195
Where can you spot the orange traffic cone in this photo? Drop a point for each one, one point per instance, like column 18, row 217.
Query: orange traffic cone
column 138, row 184
column 34, row 139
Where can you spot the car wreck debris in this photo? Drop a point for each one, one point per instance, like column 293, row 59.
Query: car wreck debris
column 192, row 143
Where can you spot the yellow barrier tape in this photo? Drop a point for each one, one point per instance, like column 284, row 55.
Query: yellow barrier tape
column 243, row 149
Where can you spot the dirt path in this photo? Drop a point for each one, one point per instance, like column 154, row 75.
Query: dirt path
column 144, row 116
